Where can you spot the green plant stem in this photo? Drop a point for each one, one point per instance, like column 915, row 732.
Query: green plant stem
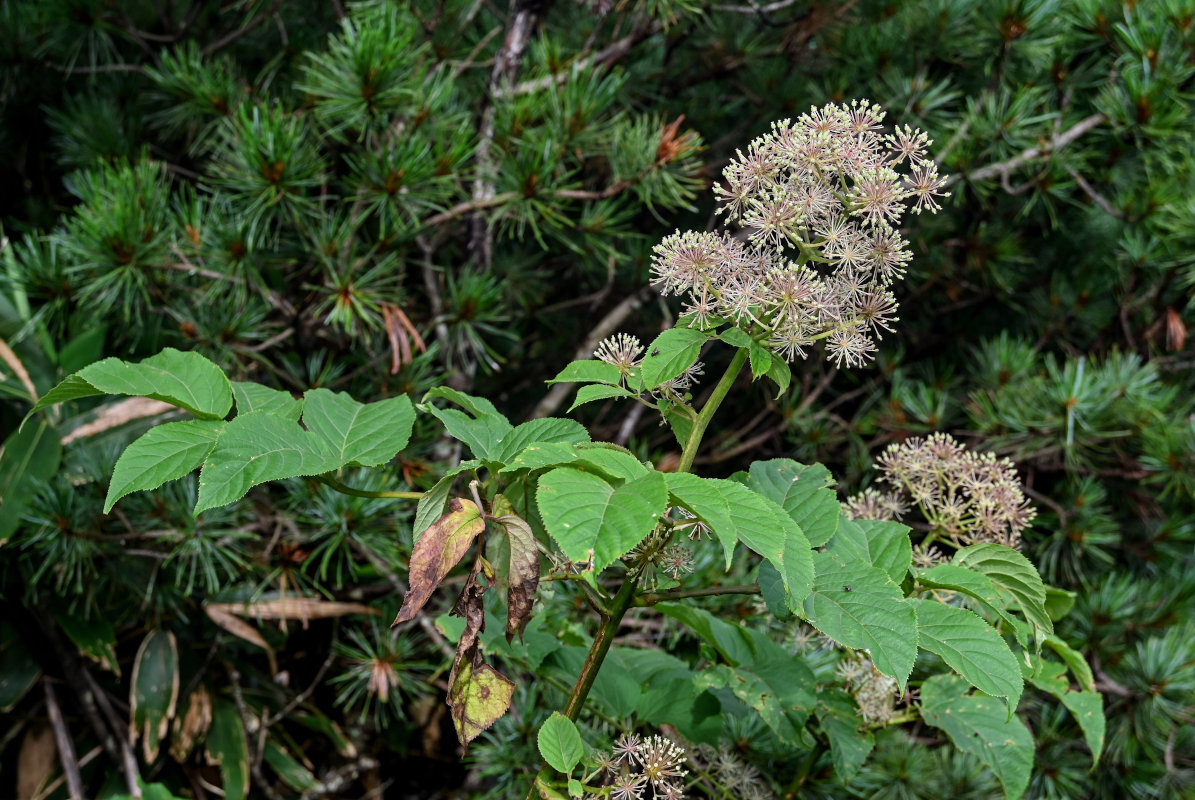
column 707, row 411
column 349, row 490
column 625, row 599
column 651, row 598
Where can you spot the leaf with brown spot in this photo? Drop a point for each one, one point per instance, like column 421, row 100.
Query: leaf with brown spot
column 438, row 550
column 193, row 725
column 478, row 698
column 524, row 573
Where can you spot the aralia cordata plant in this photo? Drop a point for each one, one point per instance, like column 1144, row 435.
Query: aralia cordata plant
column 818, row 199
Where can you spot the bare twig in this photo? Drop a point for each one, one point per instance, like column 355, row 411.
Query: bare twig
column 233, row 35
column 66, row 746
column 128, row 761
column 1057, row 142
column 96, row 69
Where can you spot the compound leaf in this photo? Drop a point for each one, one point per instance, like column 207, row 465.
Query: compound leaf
column 163, row 453
column 970, row 647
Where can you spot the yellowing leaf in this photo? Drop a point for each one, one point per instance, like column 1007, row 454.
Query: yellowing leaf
column 478, row 698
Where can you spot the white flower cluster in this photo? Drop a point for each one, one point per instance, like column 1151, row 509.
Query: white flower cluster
column 818, row 199
column 968, row 497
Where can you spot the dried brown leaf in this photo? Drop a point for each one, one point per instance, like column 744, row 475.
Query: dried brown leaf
column 1176, row 331
column 117, row 414
column 439, row 549
column 10, row 358
column 36, row 759
column 523, row 574
column 193, row 725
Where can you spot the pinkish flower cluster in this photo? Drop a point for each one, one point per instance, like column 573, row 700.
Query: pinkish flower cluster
column 819, row 199
column 645, row 768
column 967, row 497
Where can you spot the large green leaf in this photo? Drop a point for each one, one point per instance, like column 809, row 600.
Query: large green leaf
column 359, row 433
column 588, row 372
column 970, row 647
column 187, row 380
column 1013, row 575
column 599, row 391
column 857, row 605
column 560, row 743
column 980, row 725
column 850, row 743
column 255, row 448
column 976, row 586
column 255, row 397
column 153, row 691
column 227, row 748
column 584, row 514
column 31, row 454
column 482, row 428
column 609, row 462
column 803, row 491
column 882, row 544
column 672, row 352
column 1086, row 707
column 736, row 513
column 548, row 430
column 163, row 453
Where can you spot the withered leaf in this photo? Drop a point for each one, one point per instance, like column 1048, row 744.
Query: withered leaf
column 192, row 726
column 478, row 698
column 438, row 550
column 470, row 607
column 524, row 573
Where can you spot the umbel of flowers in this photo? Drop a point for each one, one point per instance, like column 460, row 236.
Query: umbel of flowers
column 817, row 200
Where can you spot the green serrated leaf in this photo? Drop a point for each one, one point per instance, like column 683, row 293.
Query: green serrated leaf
column 976, row 586
column 850, row 744
column 802, row 491
column 670, row 354
column 255, row 397
column 882, row 544
column 594, row 392
column 736, row 513
column 588, row 372
column 560, row 743
column 584, row 514
column 970, row 647
column 368, row 434
column 153, row 691
column 1059, row 602
column 187, row 380
column 1013, row 575
column 771, row 586
column 980, row 725
column 857, row 605
column 1074, row 660
column 779, row 372
column 431, row 505
column 1086, row 707
column 614, row 465
column 483, row 434
column 256, row 448
column 163, row 453
column 548, row 430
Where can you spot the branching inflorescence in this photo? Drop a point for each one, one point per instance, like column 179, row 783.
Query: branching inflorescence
column 818, row 200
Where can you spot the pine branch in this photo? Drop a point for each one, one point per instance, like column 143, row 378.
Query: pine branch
column 1057, row 142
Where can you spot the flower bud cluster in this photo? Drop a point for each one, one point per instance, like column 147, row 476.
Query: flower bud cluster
column 645, row 769
column 874, row 692
column 969, row 497
column 818, row 200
